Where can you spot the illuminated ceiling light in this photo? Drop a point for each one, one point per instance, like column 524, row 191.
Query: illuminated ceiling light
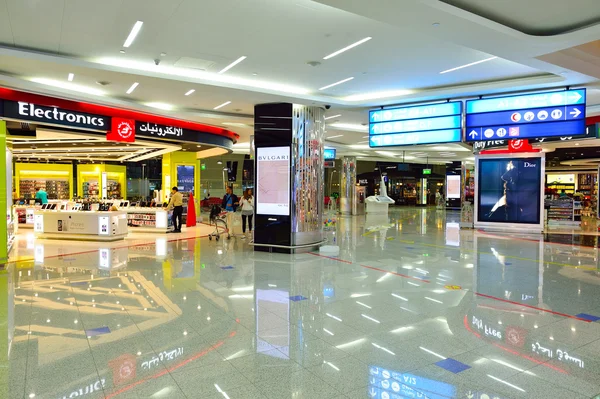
column 132, row 88
column 68, row 86
column 335, row 137
column 201, row 76
column 71, row 77
column 468, row 65
column 222, row 105
column 234, row 63
column 333, row 116
column 350, row 126
column 132, row 35
column 190, row 92
column 358, row 43
column 337, row 83
column 163, row 106
column 378, row 95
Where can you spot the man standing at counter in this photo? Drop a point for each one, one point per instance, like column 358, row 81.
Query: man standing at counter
column 41, row 195
column 176, row 204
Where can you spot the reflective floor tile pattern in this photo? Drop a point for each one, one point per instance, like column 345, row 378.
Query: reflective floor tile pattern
column 411, row 307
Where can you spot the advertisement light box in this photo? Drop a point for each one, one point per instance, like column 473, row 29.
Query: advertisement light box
column 509, row 190
column 273, row 181
column 453, row 186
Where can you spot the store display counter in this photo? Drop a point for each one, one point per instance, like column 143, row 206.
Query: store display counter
column 77, row 225
column 154, row 220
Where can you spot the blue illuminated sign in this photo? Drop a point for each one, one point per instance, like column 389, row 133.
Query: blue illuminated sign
column 422, row 124
column 417, row 112
column 429, row 137
column 529, row 116
column 526, row 101
column 385, row 383
column 329, row 153
column 416, row 125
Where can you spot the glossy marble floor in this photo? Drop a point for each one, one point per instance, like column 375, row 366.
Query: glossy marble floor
column 412, row 307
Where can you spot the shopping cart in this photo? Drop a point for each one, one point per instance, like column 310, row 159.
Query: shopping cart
column 219, row 219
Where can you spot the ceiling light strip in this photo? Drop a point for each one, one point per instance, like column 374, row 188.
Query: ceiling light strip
column 190, row 92
column 468, row 65
column 132, row 88
column 222, row 105
column 358, row 43
column 133, row 34
column 234, row 63
column 336, row 83
column 333, row 116
column 71, row 77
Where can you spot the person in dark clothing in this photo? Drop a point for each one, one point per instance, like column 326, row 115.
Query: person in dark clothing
column 230, row 201
column 176, row 204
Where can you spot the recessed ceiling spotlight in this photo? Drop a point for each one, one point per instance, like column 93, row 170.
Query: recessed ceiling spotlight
column 122, row 51
column 222, row 105
column 358, row 43
column 234, row 63
column 133, row 34
column 163, row 54
column 435, row 24
column 71, row 77
column 254, row 74
column 190, row 92
column 132, row 88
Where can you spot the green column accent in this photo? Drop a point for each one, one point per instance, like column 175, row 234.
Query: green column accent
column 3, row 196
column 4, row 313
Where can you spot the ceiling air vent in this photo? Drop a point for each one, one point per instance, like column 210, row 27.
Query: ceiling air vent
column 194, row 63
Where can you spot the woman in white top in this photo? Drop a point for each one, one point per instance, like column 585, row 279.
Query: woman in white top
column 247, row 204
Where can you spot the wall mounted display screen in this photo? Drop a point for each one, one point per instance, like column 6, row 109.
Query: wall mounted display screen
column 453, row 186
column 329, row 153
column 527, row 116
column 185, row 178
column 509, row 190
column 273, row 181
column 422, row 124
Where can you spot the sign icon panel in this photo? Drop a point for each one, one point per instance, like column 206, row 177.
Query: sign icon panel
column 527, row 116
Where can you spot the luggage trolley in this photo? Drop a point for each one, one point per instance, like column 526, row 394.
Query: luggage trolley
column 219, row 219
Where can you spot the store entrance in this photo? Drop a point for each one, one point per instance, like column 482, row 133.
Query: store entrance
column 79, row 171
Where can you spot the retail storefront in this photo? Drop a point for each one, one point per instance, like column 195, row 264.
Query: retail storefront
column 78, row 153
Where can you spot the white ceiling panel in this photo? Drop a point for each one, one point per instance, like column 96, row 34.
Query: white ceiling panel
column 36, row 24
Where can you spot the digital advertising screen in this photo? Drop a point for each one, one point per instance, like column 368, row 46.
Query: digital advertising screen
column 453, row 186
column 509, row 190
column 185, row 178
column 273, row 181
column 329, row 153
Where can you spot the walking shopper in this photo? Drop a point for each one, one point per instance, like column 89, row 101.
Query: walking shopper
column 247, row 204
column 176, row 204
column 230, row 204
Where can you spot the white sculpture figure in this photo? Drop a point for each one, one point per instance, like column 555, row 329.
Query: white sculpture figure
column 382, row 198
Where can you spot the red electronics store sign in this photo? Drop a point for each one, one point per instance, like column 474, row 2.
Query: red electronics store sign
column 122, row 130
column 120, row 125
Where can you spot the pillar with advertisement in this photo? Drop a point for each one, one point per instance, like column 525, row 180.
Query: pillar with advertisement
column 289, row 177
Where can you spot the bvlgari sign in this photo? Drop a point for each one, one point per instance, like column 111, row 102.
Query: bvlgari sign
column 54, row 116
